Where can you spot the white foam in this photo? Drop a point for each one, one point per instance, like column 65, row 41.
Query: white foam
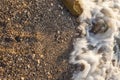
column 101, row 62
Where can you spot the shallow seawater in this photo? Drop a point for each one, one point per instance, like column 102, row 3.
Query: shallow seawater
column 96, row 53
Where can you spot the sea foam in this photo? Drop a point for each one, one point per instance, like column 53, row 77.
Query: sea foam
column 97, row 54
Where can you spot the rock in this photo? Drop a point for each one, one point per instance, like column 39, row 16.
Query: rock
column 73, row 6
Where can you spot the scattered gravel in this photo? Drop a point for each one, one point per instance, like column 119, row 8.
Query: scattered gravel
column 35, row 40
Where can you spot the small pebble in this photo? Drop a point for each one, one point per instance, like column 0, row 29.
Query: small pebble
column 33, row 56
column 22, row 78
column 41, row 56
column 60, row 6
column 28, row 66
column 51, row 4
column 38, row 61
column 58, row 32
column 49, row 75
